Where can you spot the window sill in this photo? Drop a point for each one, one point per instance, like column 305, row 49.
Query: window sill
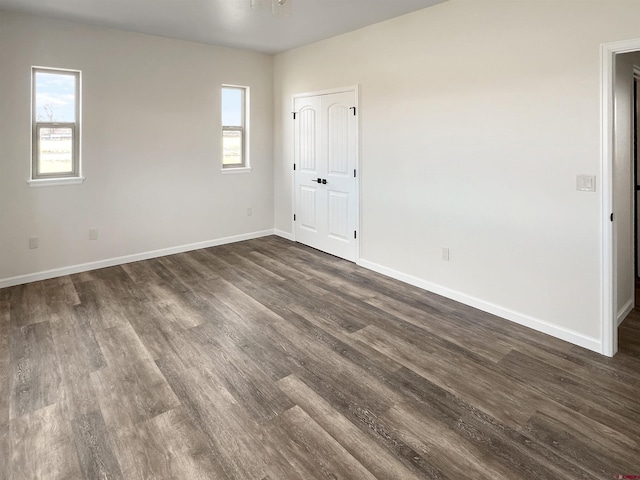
column 236, row 170
column 49, row 182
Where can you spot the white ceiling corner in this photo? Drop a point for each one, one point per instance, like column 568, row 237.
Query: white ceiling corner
column 230, row 23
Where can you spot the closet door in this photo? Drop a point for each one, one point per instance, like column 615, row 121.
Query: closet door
column 326, row 196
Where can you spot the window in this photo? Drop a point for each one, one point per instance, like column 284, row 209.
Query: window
column 55, row 124
column 234, row 128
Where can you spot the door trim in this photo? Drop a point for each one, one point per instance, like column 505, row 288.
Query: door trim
column 608, row 287
column 634, row 203
column 356, row 91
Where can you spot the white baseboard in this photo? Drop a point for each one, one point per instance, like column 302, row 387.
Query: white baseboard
column 283, row 234
column 110, row 262
column 624, row 311
column 519, row 318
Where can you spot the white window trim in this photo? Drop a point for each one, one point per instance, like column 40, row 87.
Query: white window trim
column 48, row 182
column 227, row 170
column 60, row 179
column 246, row 117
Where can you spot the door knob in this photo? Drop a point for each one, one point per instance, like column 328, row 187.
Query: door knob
column 324, row 181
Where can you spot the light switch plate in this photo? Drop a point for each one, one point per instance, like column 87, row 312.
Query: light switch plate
column 586, row 183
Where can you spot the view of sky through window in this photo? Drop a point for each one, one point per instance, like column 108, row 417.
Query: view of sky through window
column 232, row 102
column 55, row 97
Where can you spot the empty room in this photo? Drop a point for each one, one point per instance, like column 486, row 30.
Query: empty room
column 319, row 239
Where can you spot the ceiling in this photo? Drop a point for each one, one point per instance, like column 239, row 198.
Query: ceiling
column 229, row 23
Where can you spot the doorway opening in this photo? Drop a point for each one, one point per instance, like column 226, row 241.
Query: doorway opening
column 636, row 177
column 619, row 261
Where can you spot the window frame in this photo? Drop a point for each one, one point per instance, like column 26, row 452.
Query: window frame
column 243, row 129
column 75, row 174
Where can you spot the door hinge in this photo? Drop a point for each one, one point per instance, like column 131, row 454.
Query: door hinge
column 294, row 166
column 354, row 173
column 611, row 217
column 294, row 217
column 294, row 114
column 354, row 110
column 355, row 234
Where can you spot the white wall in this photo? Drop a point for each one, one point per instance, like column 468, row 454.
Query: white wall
column 475, row 119
column 150, row 146
column 623, row 183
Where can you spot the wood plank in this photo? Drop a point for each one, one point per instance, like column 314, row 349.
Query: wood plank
column 132, row 393
column 505, row 399
column 28, row 305
column 166, row 446
column 79, row 355
column 168, row 277
column 567, row 440
column 622, row 382
column 116, row 281
column 130, row 389
column 237, row 440
column 43, row 446
column 624, row 364
column 600, row 435
column 95, row 451
column 475, row 339
column 252, row 389
column 5, row 380
column 5, row 361
column 5, row 450
column 227, row 254
column 184, row 447
column 121, row 347
column 340, row 379
column 35, row 378
column 454, row 455
column 185, row 268
column 332, row 333
column 574, row 393
column 377, row 460
column 513, row 449
column 280, row 268
column 99, row 306
column 161, row 335
column 181, row 307
column 141, row 273
column 232, row 333
column 5, row 294
column 312, row 451
column 137, row 453
column 76, row 342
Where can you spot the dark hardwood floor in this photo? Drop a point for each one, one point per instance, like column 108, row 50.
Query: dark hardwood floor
column 269, row 360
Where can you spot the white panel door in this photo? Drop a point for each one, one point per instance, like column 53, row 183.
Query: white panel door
column 307, row 163
column 326, row 195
